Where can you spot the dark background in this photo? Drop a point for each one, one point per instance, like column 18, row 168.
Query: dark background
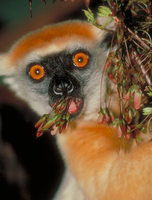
column 30, row 168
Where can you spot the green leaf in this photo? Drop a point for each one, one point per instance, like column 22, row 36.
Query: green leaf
column 90, row 16
column 148, row 89
column 104, row 11
column 150, row 94
column 147, row 111
column 48, row 124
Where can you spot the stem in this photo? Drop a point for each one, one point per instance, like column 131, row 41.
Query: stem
column 103, row 27
column 149, row 126
column 101, row 86
column 110, row 99
column 120, row 101
column 142, row 68
column 138, row 38
column 128, row 54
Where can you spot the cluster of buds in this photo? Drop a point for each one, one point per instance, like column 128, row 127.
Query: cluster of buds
column 125, row 122
column 115, row 67
column 130, row 95
column 126, row 127
column 134, row 94
column 105, row 116
column 56, row 120
column 127, row 130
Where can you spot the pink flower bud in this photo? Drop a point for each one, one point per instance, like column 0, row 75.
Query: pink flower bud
column 39, row 131
column 128, row 114
column 54, row 130
column 127, row 96
column 100, row 119
column 137, row 99
column 112, row 78
column 108, row 63
column 123, row 125
column 119, row 132
column 128, row 136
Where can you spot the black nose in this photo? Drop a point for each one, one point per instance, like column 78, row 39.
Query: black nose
column 63, row 87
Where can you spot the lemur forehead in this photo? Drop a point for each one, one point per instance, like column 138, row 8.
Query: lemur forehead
column 57, row 33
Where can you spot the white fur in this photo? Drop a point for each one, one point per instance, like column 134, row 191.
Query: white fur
column 69, row 189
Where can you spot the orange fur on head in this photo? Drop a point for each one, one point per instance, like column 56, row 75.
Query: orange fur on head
column 45, row 36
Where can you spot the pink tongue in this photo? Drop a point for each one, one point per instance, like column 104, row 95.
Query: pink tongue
column 72, row 108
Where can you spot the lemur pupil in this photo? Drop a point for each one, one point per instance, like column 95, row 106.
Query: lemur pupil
column 37, row 71
column 80, row 59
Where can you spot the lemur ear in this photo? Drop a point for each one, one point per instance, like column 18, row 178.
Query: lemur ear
column 5, row 65
column 107, row 38
column 102, row 20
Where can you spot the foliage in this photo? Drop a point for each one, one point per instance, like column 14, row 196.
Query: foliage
column 129, row 64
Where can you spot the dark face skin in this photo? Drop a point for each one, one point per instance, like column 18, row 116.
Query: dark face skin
column 62, row 77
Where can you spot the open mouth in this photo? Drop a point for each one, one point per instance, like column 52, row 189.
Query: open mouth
column 75, row 108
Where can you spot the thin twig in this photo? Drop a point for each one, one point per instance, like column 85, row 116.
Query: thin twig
column 120, row 101
column 139, row 40
column 128, row 54
column 142, row 68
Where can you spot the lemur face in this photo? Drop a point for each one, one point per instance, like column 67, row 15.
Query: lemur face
column 63, row 60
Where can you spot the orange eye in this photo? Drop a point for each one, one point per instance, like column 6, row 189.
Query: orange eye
column 80, row 59
column 37, row 72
